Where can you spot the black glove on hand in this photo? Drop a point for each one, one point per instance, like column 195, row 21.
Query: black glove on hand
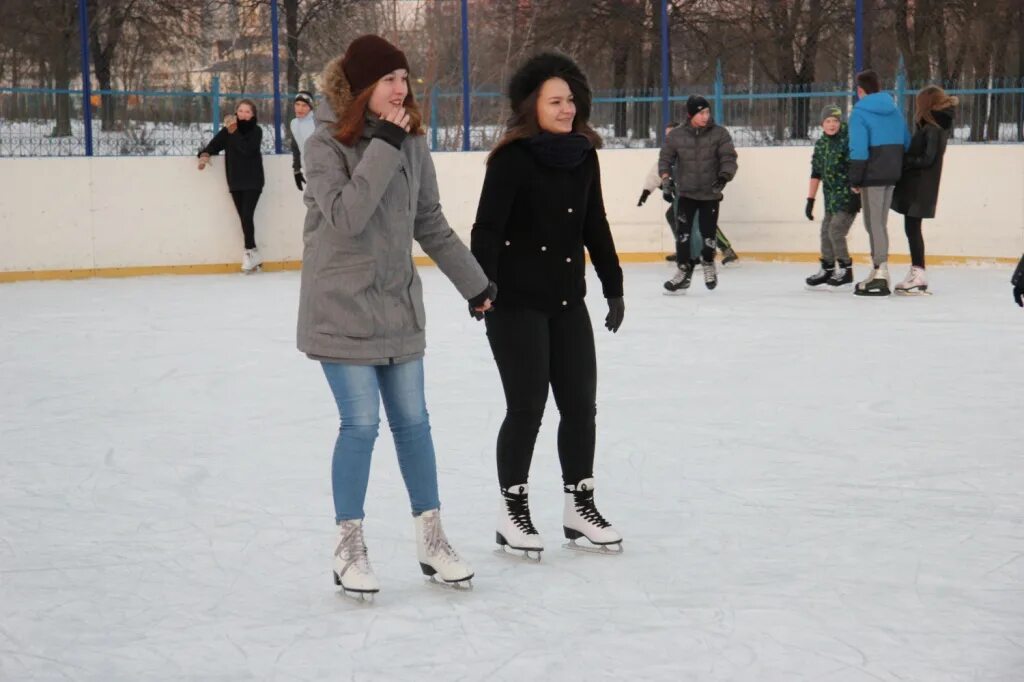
column 300, row 180
column 643, row 197
column 616, row 311
column 667, row 185
column 490, row 293
column 809, row 208
column 1018, row 283
column 719, row 184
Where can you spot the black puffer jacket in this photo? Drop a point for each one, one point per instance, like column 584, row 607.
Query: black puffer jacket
column 532, row 225
column 244, row 163
column 917, row 192
column 701, row 156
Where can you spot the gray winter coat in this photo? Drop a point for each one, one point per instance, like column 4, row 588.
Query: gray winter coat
column 361, row 300
column 700, row 156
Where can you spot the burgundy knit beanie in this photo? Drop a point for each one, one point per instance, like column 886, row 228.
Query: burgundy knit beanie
column 368, row 59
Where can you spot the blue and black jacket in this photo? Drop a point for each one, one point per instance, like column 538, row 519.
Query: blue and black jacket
column 878, row 139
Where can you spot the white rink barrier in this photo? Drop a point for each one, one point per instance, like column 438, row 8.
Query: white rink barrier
column 120, row 216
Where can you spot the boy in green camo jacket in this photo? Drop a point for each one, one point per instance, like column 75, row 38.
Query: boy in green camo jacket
column 830, row 166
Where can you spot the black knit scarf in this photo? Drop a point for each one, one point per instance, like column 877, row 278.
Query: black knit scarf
column 566, row 150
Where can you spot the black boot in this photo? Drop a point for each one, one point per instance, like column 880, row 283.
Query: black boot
column 680, row 280
column 821, row 276
column 843, row 274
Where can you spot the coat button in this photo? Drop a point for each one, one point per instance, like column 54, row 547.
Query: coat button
column 570, row 210
column 508, row 243
column 565, row 303
column 543, row 248
column 568, row 260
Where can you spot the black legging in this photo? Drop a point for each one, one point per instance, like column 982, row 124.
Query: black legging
column 915, row 239
column 534, row 350
column 706, row 213
column 245, row 204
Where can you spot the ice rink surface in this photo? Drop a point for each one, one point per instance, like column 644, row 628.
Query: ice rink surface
column 811, row 486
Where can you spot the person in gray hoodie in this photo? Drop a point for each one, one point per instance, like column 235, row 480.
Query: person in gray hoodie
column 371, row 191
column 705, row 160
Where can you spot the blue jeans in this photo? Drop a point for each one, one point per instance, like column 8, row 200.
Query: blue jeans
column 358, row 390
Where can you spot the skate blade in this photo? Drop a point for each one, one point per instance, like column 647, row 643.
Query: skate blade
column 362, row 596
column 611, row 549
column 913, row 292
column 677, row 292
column 871, row 294
column 531, row 555
column 465, row 585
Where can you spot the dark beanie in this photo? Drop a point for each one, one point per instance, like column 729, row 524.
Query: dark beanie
column 368, row 59
column 696, row 104
column 541, row 67
column 831, row 111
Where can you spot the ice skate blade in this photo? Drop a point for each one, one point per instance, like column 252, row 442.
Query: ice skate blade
column 872, row 293
column 611, row 549
column 530, row 555
column 464, row 584
column 677, row 292
column 913, row 292
column 253, row 271
column 361, row 596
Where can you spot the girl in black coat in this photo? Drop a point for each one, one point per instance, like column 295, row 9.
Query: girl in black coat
column 917, row 192
column 541, row 205
column 240, row 139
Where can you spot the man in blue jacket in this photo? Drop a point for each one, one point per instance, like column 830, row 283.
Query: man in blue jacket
column 878, row 139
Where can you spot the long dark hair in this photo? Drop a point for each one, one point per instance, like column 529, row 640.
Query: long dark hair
column 523, row 123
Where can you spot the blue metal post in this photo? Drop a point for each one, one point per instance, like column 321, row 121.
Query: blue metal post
column 666, row 112
column 858, row 36
column 215, row 104
column 719, row 94
column 276, row 59
column 83, row 30
column 433, row 117
column 465, row 76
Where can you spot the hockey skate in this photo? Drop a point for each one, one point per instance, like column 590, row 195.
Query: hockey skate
column 729, row 256
column 352, row 571
column 710, row 274
column 515, row 528
column 251, row 261
column 914, row 284
column 581, row 519
column 843, row 274
column 680, row 281
column 822, row 276
column 438, row 560
column 876, row 284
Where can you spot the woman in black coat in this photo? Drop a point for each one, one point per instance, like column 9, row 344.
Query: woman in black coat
column 540, row 207
column 240, row 140
column 917, row 192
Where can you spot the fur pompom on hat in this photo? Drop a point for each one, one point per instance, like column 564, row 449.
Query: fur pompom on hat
column 541, row 67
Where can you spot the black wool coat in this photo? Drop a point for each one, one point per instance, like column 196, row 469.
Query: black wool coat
column 244, row 163
column 917, row 193
column 532, row 225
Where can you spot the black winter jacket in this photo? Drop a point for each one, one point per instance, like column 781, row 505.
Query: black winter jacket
column 701, row 156
column 917, row 192
column 532, row 225
column 243, row 164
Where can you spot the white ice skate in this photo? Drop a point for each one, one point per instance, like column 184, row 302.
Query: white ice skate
column 914, row 284
column 515, row 528
column 352, row 570
column 435, row 553
column 251, row 261
column 581, row 519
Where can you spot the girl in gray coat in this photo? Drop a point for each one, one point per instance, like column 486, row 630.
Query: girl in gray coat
column 372, row 190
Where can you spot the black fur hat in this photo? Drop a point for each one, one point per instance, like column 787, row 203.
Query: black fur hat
column 539, row 68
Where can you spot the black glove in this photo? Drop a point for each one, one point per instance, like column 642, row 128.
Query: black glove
column 490, row 293
column 667, row 185
column 616, row 311
column 300, row 180
column 853, row 207
column 719, row 184
column 643, row 197
column 809, row 208
column 1018, row 283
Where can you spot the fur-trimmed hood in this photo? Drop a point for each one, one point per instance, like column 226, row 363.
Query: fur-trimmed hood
column 338, row 96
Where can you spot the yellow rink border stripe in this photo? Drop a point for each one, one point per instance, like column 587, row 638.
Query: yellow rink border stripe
column 276, row 266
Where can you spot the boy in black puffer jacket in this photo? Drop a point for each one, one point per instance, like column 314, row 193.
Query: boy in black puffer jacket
column 705, row 160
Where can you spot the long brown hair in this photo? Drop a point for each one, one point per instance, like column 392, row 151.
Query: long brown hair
column 930, row 99
column 352, row 121
column 523, row 124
